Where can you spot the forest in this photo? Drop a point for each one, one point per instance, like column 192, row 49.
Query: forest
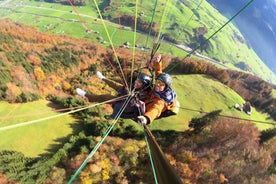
column 215, row 149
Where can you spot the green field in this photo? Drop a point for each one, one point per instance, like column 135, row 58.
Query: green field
column 36, row 138
column 70, row 24
column 201, row 93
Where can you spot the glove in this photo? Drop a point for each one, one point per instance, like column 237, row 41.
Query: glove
column 142, row 120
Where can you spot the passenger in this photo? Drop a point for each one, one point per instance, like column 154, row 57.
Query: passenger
column 161, row 100
column 152, row 103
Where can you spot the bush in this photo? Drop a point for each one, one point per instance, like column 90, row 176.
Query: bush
column 267, row 134
column 27, row 97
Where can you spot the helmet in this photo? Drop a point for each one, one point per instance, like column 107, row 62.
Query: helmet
column 166, row 78
column 146, row 79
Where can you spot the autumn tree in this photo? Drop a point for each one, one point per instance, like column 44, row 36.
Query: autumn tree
column 226, row 151
column 12, row 92
column 39, row 74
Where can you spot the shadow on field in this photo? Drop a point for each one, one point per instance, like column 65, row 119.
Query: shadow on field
column 77, row 127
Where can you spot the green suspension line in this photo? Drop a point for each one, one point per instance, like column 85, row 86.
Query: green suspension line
column 101, row 141
column 151, row 22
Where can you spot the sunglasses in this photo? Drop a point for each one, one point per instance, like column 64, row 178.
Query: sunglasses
column 160, row 83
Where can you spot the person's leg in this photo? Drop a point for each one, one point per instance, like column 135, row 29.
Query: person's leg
column 99, row 98
column 129, row 111
column 94, row 97
column 116, row 109
column 113, row 84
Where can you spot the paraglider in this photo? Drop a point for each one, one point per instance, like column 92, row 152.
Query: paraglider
column 151, row 100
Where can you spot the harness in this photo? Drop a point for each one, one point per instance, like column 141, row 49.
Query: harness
column 168, row 95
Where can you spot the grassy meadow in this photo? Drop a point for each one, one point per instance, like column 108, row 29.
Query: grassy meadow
column 62, row 20
column 200, row 93
column 33, row 139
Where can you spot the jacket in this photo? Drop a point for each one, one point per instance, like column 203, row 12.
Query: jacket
column 155, row 106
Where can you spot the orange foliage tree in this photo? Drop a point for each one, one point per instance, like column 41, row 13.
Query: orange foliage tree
column 34, row 59
column 12, row 92
column 228, row 151
column 39, row 74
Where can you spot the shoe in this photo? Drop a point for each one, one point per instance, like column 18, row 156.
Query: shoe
column 100, row 75
column 81, row 92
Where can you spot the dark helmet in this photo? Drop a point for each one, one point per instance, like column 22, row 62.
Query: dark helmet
column 146, row 79
column 166, row 78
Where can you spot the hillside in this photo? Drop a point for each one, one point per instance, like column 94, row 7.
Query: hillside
column 227, row 47
column 38, row 65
